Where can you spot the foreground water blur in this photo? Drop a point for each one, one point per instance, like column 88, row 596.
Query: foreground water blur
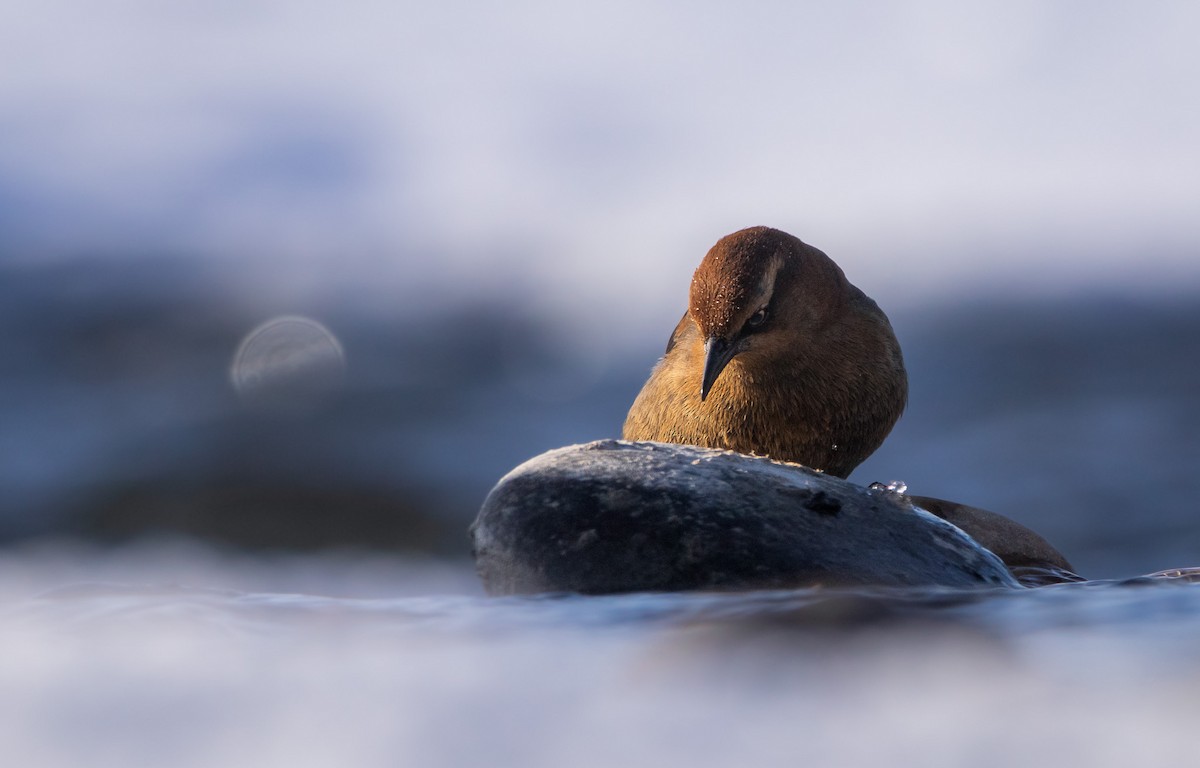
column 154, row 672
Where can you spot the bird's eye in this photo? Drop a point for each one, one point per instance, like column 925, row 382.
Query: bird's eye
column 757, row 319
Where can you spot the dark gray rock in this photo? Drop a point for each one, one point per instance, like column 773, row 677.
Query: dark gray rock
column 614, row 516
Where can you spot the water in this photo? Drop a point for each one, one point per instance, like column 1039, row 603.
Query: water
column 149, row 673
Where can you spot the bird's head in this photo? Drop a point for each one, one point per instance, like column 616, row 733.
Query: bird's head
column 756, row 289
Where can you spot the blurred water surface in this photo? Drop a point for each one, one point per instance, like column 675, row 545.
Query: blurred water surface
column 143, row 673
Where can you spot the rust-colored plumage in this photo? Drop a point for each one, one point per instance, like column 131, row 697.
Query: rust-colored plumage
column 777, row 355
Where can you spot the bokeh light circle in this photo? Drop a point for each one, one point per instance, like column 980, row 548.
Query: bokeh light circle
column 288, row 363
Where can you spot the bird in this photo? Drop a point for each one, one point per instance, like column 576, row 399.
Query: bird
column 777, row 354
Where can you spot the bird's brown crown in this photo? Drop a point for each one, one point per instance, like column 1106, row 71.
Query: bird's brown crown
column 738, row 270
column 738, row 276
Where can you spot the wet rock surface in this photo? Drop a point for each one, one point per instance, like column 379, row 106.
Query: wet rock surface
column 613, row 516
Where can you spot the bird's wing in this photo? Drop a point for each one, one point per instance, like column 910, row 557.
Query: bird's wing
column 677, row 334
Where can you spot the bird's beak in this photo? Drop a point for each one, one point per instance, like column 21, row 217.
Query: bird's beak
column 717, row 354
